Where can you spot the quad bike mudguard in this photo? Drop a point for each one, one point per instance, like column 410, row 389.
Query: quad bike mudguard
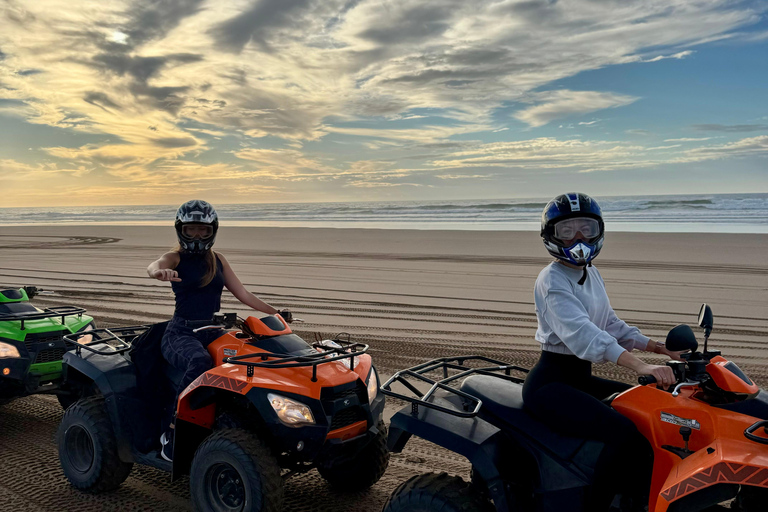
column 114, row 377
column 721, row 453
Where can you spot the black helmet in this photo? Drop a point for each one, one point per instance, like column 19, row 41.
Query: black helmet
column 588, row 219
column 196, row 212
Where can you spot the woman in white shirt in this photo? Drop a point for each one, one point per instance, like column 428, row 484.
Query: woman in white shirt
column 578, row 327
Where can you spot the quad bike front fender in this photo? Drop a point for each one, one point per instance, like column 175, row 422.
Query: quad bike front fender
column 724, row 461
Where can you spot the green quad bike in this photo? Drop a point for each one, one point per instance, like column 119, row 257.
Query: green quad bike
column 31, row 345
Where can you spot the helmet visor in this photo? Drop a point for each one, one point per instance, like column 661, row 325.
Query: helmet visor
column 201, row 231
column 568, row 229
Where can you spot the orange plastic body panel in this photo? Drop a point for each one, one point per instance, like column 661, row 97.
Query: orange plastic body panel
column 233, row 377
column 727, row 380
column 722, row 453
column 258, row 327
column 348, row 432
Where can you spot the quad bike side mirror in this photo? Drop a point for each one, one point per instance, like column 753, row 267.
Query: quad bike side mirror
column 706, row 319
column 681, row 338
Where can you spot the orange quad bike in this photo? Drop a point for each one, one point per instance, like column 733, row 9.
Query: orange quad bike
column 708, row 432
column 271, row 407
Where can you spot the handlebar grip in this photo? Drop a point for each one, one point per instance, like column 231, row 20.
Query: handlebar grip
column 646, row 379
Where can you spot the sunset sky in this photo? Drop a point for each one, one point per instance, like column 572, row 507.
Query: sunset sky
column 158, row 101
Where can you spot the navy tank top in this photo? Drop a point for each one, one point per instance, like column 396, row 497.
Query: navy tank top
column 194, row 302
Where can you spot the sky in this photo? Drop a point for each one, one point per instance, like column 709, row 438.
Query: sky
column 241, row 101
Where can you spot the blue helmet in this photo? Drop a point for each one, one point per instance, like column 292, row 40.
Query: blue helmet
column 196, row 212
column 580, row 251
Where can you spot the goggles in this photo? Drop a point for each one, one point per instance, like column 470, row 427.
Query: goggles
column 201, row 231
column 568, row 229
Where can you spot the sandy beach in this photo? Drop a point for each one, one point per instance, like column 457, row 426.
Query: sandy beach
column 412, row 295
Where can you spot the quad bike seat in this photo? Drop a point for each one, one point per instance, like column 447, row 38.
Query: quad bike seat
column 503, row 399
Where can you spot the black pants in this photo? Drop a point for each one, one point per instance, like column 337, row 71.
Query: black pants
column 562, row 392
column 187, row 352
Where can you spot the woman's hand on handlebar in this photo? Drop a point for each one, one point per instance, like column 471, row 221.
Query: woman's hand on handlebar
column 166, row 274
column 663, row 374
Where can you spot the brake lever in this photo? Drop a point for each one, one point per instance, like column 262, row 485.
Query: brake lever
column 689, row 383
column 206, row 328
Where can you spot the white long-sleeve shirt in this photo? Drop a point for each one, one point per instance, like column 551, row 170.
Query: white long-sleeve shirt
column 578, row 319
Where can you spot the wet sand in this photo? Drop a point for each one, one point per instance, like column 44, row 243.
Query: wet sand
column 412, row 295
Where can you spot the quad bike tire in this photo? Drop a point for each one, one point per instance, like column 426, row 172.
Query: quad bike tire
column 88, row 448
column 434, row 492
column 234, row 470
column 364, row 470
column 751, row 499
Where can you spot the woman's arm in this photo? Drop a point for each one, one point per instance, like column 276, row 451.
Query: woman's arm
column 658, row 347
column 234, row 285
column 162, row 269
column 569, row 320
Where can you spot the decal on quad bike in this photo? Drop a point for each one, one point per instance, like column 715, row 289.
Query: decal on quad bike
column 217, row 381
column 682, row 422
column 229, row 352
column 719, row 473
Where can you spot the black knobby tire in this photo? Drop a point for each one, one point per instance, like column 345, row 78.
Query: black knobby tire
column 233, row 470
column 364, row 470
column 436, row 493
column 751, row 499
column 88, row 449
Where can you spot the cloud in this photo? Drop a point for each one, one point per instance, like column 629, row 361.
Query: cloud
column 753, row 146
column 257, row 23
column 688, row 139
column 734, row 128
column 101, row 100
column 175, row 142
column 563, row 103
column 678, row 56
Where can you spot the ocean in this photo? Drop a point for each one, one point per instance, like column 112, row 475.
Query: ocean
column 715, row 213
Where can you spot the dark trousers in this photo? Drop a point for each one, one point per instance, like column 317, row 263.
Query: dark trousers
column 562, row 392
column 187, row 352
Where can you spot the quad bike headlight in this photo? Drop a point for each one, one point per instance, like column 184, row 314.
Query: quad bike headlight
column 373, row 386
column 291, row 412
column 8, row 350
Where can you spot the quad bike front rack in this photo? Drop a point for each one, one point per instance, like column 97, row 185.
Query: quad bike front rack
column 346, row 350
column 119, row 339
column 52, row 312
column 445, row 364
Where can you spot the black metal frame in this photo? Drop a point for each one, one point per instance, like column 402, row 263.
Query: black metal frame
column 448, row 363
column 111, row 335
column 273, row 361
column 52, row 312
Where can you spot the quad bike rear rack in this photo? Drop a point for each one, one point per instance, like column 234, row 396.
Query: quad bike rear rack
column 119, row 339
column 52, row 312
column 274, row 361
column 473, row 404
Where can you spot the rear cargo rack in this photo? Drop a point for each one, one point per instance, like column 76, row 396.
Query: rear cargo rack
column 445, row 364
column 346, row 350
column 52, row 312
column 119, row 339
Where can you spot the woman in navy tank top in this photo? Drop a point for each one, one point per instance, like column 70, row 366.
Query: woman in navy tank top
column 197, row 275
